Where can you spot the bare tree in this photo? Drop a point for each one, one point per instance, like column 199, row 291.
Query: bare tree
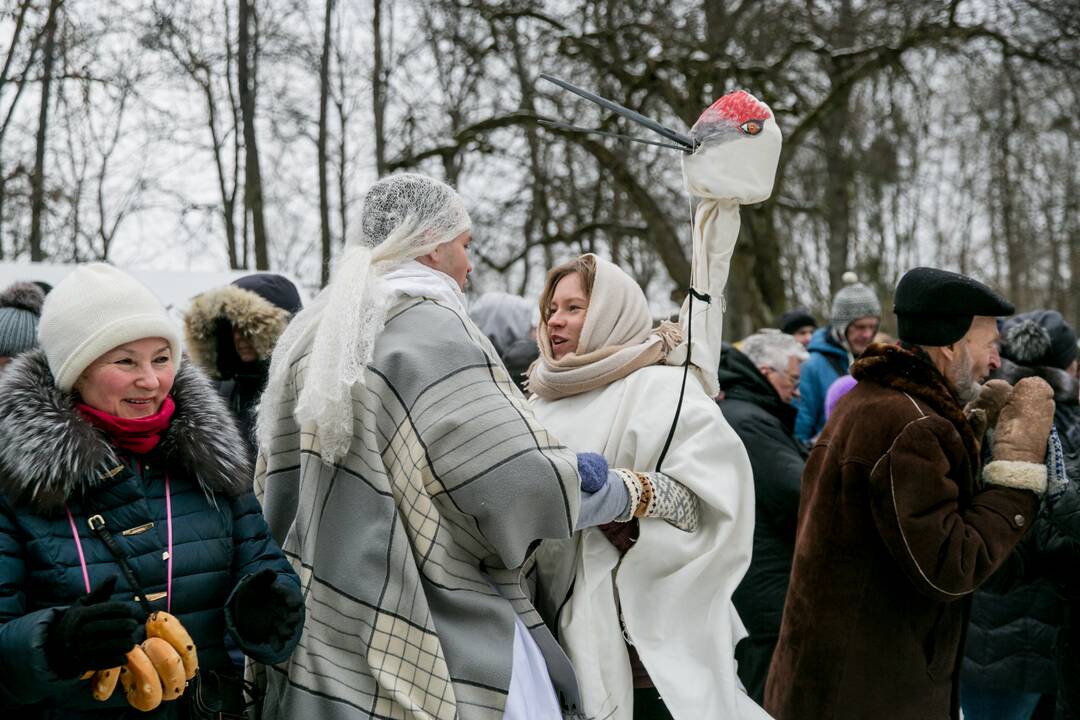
column 6, row 79
column 175, row 37
column 37, row 202
column 379, row 81
column 247, row 76
column 324, row 100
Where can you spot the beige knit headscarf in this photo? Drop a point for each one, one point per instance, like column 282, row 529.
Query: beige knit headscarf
column 616, row 339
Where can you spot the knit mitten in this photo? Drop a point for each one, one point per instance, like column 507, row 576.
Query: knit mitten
column 672, row 502
column 265, row 611
column 659, row 496
column 93, row 634
column 592, row 471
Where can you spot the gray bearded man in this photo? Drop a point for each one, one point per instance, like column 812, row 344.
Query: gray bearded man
column 899, row 522
column 409, row 483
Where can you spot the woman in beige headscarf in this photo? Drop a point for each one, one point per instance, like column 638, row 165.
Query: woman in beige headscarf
column 644, row 609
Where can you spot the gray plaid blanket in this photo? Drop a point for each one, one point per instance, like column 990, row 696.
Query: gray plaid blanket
column 415, row 550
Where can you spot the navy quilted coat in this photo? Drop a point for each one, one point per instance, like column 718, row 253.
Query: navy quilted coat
column 53, row 463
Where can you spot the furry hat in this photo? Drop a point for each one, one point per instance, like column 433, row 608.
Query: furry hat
column 1039, row 337
column 20, row 309
column 260, row 306
column 96, row 308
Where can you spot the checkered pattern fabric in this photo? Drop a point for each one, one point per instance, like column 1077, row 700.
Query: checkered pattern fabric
column 414, row 550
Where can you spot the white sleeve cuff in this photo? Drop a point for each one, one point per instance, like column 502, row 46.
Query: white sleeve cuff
column 1016, row 474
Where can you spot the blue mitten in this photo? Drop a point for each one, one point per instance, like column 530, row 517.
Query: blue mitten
column 593, row 471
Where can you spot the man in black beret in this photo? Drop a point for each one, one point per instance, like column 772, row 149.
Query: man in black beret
column 898, row 522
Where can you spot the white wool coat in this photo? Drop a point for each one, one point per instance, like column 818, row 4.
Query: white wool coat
column 674, row 587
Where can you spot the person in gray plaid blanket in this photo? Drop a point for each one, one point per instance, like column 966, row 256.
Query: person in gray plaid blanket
column 408, row 482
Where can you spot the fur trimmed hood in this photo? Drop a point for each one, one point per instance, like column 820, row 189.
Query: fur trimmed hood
column 899, row 369
column 245, row 310
column 1066, row 387
column 48, row 451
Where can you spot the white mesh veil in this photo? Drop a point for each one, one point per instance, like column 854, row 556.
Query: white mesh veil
column 404, row 216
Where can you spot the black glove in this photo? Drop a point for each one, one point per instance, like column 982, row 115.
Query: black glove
column 93, row 633
column 265, row 611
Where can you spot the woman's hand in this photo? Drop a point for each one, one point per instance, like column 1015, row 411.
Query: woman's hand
column 592, row 471
column 93, row 633
column 656, row 495
column 265, row 611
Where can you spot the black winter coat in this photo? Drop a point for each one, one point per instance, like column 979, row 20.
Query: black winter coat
column 1012, row 636
column 765, row 424
column 53, row 462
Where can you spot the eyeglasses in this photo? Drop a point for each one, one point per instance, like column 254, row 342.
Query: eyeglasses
column 793, row 379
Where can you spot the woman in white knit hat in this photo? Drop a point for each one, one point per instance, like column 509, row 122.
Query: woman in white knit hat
column 124, row 491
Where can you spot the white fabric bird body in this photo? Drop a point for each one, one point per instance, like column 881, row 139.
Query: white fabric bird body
column 737, row 148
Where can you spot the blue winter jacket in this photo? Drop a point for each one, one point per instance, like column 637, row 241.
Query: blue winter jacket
column 818, row 373
column 53, row 462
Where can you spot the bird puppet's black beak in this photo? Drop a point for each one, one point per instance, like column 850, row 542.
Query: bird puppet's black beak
column 678, row 140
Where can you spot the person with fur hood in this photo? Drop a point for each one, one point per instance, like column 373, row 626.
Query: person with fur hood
column 124, row 490
column 20, row 308
column 1017, row 640
column 231, row 332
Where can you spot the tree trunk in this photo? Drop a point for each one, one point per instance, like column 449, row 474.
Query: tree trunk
column 324, row 189
column 37, row 196
column 1071, row 226
column 247, row 67
column 342, row 150
column 20, row 23
column 378, row 89
column 342, row 177
column 837, row 192
column 227, row 200
column 759, row 234
column 537, row 225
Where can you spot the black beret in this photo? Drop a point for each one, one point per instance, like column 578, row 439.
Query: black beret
column 792, row 320
column 935, row 307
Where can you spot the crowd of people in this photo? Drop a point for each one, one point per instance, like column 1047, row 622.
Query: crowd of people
column 386, row 504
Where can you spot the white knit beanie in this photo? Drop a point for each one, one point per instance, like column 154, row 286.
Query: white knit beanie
column 93, row 310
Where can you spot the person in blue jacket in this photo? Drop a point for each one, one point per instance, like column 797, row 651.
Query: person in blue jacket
column 123, row 475
column 854, row 321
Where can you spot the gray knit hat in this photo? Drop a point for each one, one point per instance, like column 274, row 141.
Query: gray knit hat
column 854, row 301
column 20, row 308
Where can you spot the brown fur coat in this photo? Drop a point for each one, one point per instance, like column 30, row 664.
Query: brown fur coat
column 895, row 532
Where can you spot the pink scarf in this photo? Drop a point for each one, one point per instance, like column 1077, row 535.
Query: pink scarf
column 136, row 435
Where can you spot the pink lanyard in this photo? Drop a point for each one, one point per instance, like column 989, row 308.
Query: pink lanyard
column 168, row 554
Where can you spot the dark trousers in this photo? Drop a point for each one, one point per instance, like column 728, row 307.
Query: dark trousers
column 753, row 655
column 649, row 706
